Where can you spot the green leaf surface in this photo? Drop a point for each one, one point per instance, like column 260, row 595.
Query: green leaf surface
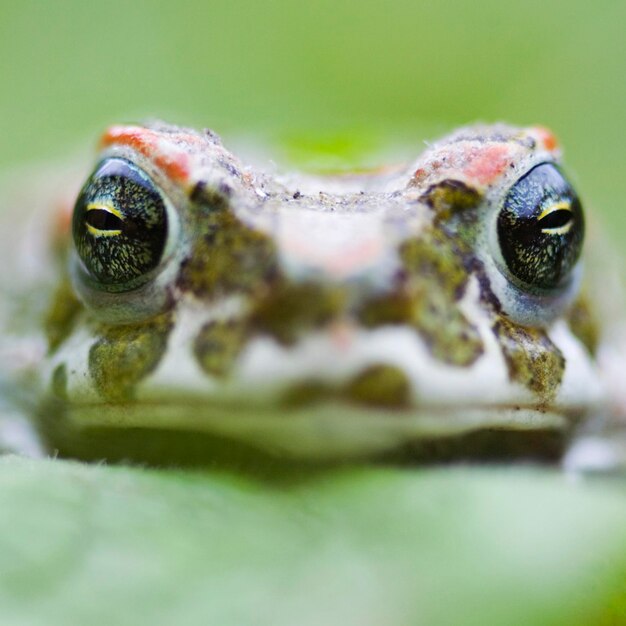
column 84, row 544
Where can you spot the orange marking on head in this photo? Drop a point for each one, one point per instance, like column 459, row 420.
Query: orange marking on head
column 63, row 220
column 547, row 138
column 339, row 263
column 419, row 175
column 488, row 163
column 61, row 226
column 361, row 255
column 134, row 136
column 176, row 166
column 342, row 334
column 174, row 161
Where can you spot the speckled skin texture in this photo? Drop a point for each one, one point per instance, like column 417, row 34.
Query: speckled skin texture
column 273, row 264
column 123, row 355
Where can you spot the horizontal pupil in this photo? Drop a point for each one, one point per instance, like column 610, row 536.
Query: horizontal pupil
column 103, row 220
column 556, row 219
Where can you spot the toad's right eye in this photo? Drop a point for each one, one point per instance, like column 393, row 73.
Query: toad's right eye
column 120, row 226
column 541, row 229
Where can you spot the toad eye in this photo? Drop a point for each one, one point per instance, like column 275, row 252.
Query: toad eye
column 541, row 229
column 120, row 225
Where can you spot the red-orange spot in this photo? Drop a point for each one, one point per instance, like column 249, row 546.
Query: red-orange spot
column 134, row 136
column 63, row 220
column 419, row 175
column 488, row 163
column 174, row 161
column 176, row 166
column 547, row 138
column 360, row 255
column 61, row 226
column 342, row 334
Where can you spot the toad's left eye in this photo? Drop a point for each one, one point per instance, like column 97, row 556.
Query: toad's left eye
column 120, row 225
column 541, row 229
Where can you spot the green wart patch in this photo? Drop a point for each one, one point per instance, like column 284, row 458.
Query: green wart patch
column 436, row 279
column 124, row 355
column 380, row 385
column 583, row 323
column 62, row 314
column 531, row 357
column 449, row 197
column 392, row 308
column 307, row 393
column 227, row 256
column 58, row 382
column 289, row 310
column 428, row 299
column 218, row 345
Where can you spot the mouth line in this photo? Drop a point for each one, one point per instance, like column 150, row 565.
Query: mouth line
column 320, row 431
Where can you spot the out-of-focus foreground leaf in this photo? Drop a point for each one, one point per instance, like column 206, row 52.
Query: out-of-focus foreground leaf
column 101, row 545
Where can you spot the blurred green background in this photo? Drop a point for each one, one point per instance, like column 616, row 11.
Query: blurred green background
column 407, row 69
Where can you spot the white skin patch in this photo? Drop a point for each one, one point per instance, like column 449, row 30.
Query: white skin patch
column 340, row 245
